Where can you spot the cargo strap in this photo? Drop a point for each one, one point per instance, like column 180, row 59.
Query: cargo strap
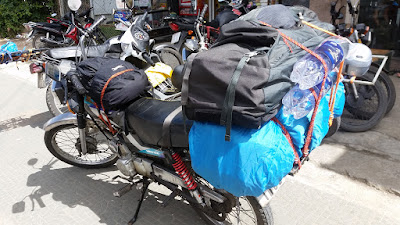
column 289, row 138
column 166, row 131
column 227, row 108
column 103, row 91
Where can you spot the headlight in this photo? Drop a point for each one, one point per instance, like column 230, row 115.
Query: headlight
column 125, row 47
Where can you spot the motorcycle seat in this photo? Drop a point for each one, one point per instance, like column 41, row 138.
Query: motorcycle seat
column 72, row 51
column 146, row 117
column 56, row 26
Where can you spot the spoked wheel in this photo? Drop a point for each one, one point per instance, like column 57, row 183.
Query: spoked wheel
column 53, row 103
column 243, row 210
column 64, row 143
column 170, row 56
column 365, row 112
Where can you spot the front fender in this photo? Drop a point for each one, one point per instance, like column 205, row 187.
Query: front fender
column 63, row 119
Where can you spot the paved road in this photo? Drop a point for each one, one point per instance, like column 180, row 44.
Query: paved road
column 350, row 179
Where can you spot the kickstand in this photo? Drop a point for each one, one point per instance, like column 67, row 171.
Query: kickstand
column 145, row 186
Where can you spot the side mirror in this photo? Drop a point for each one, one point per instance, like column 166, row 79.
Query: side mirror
column 74, row 5
column 152, row 43
column 129, row 4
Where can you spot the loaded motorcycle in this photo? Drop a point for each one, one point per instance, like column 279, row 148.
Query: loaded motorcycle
column 148, row 141
column 133, row 46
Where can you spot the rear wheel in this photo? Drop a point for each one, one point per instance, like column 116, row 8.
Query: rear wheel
column 37, row 43
column 387, row 82
column 243, row 210
column 365, row 112
column 64, row 143
column 334, row 127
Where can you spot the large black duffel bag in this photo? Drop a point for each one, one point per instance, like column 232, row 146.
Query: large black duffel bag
column 122, row 82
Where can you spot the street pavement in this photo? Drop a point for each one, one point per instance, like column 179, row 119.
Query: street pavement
column 352, row 178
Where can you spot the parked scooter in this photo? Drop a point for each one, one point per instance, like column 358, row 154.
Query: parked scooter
column 64, row 32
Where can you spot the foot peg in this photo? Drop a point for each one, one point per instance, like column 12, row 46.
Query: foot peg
column 123, row 190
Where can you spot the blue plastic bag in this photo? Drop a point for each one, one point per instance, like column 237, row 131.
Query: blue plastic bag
column 298, row 128
column 252, row 162
column 8, row 47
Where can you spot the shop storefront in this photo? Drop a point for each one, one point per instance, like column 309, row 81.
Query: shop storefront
column 383, row 16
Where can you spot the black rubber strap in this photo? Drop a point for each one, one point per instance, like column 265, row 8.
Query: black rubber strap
column 227, row 108
column 166, row 131
column 185, row 82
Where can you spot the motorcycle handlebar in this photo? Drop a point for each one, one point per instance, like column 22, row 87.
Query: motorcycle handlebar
column 76, row 82
column 351, row 9
column 203, row 12
column 95, row 24
column 148, row 59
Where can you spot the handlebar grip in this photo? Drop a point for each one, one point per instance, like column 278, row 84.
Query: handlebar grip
column 148, row 59
column 95, row 24
column 77, row 83
column 203, row 12
column 351, row 9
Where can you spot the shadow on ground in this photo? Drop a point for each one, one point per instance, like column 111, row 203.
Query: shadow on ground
column 93, row 189
column 37, row 120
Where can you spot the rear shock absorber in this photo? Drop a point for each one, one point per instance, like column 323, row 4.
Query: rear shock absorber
column 184, row 173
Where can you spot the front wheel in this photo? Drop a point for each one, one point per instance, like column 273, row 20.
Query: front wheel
column 170, row 56
column 64, row 143
column 53, row 102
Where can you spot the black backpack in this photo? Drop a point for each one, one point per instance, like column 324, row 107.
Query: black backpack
column 125, row 81
column 242, row 79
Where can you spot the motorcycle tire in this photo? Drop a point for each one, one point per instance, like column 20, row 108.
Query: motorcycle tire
column 37, row 43
column 53, row 103
column 63, row 142
column 334, row 127
column 170, row 56
column 366, row 112
column 388, row 84
column 250, row 209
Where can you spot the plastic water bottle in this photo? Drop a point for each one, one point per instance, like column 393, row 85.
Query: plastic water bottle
column 299, row 103
column 309, row 71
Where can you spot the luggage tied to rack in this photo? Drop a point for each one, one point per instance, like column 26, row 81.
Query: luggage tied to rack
column 258, row 153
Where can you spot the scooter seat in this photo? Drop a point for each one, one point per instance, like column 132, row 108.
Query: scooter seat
column 146, row 118
column 73, row 51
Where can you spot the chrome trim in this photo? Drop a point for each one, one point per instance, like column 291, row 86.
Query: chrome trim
column 63, row 119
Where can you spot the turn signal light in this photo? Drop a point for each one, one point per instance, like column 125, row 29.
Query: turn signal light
column 190, row 32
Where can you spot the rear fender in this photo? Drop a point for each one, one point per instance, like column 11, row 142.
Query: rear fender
column 63, row 119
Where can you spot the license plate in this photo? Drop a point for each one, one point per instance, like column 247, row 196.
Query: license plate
column 175, row 37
